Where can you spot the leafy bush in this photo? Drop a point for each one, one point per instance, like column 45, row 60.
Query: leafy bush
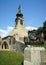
column 45, row 44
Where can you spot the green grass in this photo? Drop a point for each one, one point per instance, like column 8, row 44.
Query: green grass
column 11, row 58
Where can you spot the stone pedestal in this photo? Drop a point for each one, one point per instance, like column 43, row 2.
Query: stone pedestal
column 34, row 56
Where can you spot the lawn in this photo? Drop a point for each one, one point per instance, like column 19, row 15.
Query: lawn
column 11, row 58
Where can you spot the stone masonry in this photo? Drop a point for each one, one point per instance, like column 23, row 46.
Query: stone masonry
column 35, row 56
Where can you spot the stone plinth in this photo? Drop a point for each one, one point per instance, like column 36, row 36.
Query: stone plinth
column 34, row 56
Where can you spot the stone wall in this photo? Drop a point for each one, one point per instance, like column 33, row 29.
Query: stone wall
column 34, row 56
column 19, row 46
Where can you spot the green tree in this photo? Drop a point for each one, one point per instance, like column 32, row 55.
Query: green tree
column 45, row 44
column 44, row 30
column 40, row 29
column 39, row 32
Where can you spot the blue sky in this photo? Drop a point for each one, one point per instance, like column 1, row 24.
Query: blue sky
column 34, row 12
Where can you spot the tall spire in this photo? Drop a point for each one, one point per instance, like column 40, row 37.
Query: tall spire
column 19, row 14
column 19, row 9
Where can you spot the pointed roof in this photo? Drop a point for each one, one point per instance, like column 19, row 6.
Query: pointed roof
column 19, row 9
column 19, row 14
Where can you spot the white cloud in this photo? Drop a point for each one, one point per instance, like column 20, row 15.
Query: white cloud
column 31, row 28
column 9, row 27
column 6, row 32
column 3, row 32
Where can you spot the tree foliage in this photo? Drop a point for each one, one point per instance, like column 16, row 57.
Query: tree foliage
column 40, row 30
column 45, row 44
column 44, row 30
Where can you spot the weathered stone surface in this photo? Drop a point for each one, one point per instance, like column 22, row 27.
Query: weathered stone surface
column 34, row 56
column 19, row 47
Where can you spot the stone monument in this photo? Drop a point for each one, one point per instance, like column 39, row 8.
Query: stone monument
column 35, row 56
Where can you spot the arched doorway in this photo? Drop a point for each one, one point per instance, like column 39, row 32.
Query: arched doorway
column 4, row 45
